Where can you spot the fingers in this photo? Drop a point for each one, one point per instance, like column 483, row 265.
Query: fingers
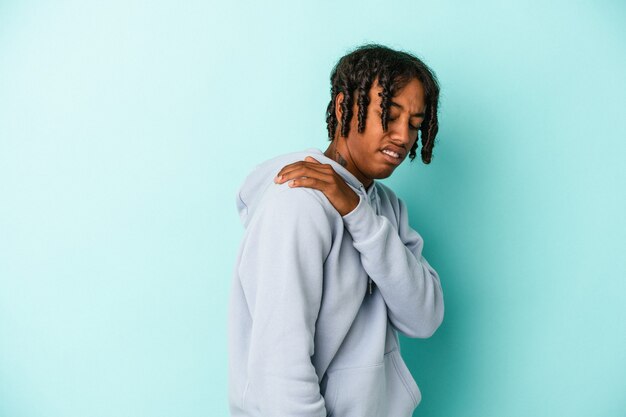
column 304, row 169
column 309, row 182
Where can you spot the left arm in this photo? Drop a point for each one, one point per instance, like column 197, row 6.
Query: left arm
column 393, row 259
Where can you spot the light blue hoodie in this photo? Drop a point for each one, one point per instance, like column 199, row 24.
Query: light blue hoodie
column 306, row 336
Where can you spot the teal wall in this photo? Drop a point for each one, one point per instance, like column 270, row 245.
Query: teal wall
column 127, row 126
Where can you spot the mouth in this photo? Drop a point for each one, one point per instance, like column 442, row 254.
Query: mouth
column 391, row 156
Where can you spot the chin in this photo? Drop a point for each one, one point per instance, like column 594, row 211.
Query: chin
column 383, row 174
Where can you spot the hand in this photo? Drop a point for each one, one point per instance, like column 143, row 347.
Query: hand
column 313, row 174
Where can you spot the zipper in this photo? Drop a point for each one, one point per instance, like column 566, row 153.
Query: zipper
column 367, row 198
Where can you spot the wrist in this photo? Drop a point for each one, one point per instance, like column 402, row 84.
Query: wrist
column 362, row 222
column 352, row 206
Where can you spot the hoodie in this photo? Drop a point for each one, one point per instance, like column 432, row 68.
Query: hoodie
column 317, row 300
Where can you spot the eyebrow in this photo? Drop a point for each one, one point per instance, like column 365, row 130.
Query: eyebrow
column 393, row 103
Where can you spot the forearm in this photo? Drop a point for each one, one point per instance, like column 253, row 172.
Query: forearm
column 409, row 285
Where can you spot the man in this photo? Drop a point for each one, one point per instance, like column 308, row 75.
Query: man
column 329, row 270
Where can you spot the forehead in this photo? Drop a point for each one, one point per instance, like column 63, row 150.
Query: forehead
column 411, row 96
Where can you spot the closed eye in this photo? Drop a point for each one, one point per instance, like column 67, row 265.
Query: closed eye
column 391, row 119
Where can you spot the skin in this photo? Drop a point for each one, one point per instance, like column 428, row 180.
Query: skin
column 360, row 153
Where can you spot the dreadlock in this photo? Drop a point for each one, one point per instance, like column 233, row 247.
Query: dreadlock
column 354, row 75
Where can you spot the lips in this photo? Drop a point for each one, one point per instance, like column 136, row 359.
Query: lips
column 400, row 151
column 389, row 154
column 391, row 159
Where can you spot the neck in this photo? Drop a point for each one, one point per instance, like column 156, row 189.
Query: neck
column 339, row 152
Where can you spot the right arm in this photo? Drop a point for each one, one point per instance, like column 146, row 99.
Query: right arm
column 281, row 269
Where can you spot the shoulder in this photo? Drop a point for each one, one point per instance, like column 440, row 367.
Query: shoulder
column 259, row 190
column 297, row 210
column 298, row 215
column 303, row 199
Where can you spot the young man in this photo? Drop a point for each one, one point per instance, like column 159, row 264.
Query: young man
column 329, row 270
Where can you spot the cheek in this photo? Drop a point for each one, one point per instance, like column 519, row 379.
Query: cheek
column 374, row 129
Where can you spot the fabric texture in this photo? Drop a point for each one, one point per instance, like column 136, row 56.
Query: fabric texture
column 305, row 336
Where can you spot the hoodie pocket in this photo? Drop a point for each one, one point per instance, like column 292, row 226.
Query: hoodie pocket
column 356, row 392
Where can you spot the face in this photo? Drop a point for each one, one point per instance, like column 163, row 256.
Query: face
column 375, row 153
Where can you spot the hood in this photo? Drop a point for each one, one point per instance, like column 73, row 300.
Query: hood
column 262, row 176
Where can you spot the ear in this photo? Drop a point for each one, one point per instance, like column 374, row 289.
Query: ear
column 338, row 102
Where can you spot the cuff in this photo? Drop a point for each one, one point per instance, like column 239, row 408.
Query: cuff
column 362, row 222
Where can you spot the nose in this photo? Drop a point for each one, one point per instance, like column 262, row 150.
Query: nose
column 402, row 135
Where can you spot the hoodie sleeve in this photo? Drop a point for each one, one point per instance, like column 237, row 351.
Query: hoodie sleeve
column 281, row 270
column 393, row 260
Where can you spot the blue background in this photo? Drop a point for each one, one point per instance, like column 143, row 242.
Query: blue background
column 127, row 126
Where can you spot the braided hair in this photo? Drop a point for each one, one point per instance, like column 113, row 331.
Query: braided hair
column 354, row 75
